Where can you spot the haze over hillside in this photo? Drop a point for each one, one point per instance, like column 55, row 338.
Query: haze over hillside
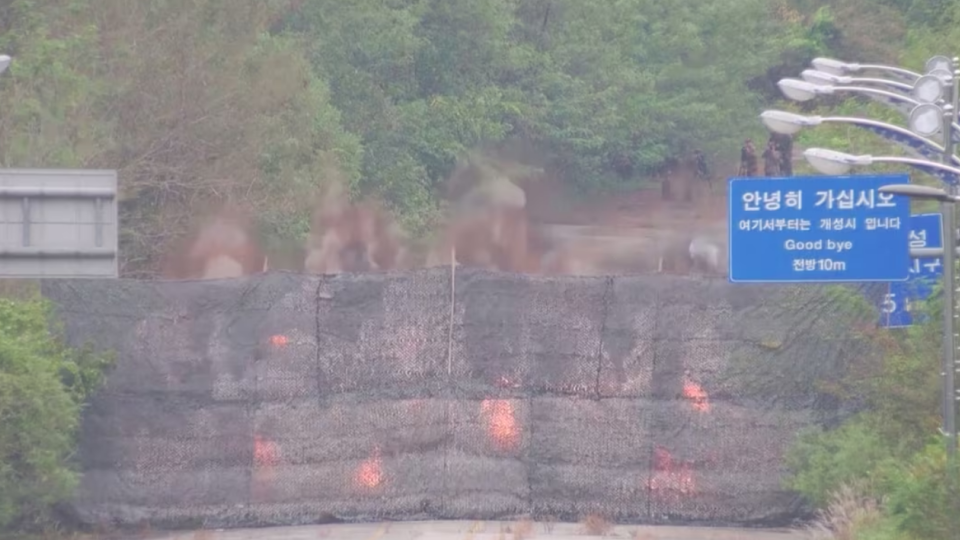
column 256, row 106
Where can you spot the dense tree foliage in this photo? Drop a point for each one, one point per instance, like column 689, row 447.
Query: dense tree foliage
column 43, row 386
column 258, row 102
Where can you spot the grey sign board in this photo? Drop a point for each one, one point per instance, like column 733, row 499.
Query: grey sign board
column 58, row 223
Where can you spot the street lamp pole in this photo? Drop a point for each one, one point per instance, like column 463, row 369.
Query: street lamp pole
column 948, row 200
column 832, row 162
column 949, row 271
column 940, row 85
column 948, row 212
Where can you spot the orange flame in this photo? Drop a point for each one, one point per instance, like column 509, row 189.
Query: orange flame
column 501, row 423
column 671, row 478
column 697, row 395
column 369, row 473
column 266, row 453
column 279, row 340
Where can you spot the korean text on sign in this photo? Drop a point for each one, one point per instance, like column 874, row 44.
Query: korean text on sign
column 842, row 199
column 818, row 229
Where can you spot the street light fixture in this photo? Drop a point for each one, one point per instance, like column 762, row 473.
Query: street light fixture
column 839, row 67
column 918, row 191
column 4, row 62
column 926, row 119
column 835, row 163
column 788, row 123
column 798, row 90
column 939, row 63
column 929, row 89
column 825, row 78
column 942, row 74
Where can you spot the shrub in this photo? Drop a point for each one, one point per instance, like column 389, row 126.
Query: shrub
column 43, row 386
column 919, row 496
column 822, row 462
column 847, row 515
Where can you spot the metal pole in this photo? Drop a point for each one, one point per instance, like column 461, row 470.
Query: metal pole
column 949, row 262
column 950, row 294
column 949, row 289
column 948, row 148
column 950, row 222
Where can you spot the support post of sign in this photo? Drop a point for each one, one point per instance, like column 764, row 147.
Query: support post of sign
column 948, row 150
column 949, row 270
column 949, row 278
column 949, row 313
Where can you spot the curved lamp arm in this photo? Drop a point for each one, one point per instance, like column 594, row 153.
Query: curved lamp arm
column 913, row 162
column 827, row 78
column 906, row 73
column 834, row 163
column 885, row 82
column 891, row 95
column 949, row 175
column 840, row 67
column 877, row 92
column 788, row 123
column 800, row 90
column 904, row 137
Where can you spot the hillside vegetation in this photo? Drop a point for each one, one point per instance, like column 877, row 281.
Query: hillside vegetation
column 883, row 473
column 260, row 103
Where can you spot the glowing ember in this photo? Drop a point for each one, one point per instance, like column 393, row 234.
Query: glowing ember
column 501, row 423
column 278, row 340
column 369, row 473
column 504, row 382
column 671, row 479
column 697, row 395
column 266, row 453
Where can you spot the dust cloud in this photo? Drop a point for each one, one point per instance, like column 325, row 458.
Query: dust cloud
column 224, row 246
column 503, row 215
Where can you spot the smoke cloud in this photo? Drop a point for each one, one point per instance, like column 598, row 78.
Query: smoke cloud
column 503, row 216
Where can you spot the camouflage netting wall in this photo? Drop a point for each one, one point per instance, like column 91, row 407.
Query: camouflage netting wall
column 288, row 399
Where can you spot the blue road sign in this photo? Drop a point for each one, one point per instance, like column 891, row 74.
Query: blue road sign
column 926, row 230
column 818, row 229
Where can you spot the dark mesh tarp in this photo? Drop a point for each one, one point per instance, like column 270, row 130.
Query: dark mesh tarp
column 289, row 399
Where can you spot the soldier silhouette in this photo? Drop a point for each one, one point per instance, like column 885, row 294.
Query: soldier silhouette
column 771, row 159
column 748, row 159
column 703, row 172
column 785, row 149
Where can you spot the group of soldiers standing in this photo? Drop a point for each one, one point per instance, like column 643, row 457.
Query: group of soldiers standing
column 777, row 157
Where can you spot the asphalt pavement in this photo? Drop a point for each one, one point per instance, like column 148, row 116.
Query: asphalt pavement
column 483, row 530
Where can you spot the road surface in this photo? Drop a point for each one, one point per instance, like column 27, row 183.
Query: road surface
column 483, row 530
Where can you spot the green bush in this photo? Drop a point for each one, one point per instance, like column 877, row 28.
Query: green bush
column 824, row 461
column 913, row 487
column 43, row 386
column 918, row 495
